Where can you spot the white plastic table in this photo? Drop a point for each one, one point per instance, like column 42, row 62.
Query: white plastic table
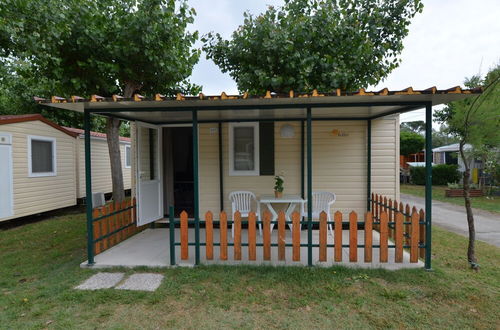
column 292, row 200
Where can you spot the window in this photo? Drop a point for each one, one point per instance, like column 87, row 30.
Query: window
column 127, row 157
column 244, row 149
column 41, row 156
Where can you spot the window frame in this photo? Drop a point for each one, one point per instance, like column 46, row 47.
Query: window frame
column 52, row 140
column 127, row 146
column 256, row 170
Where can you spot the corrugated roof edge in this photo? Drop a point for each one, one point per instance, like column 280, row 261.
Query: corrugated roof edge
column 268, row 95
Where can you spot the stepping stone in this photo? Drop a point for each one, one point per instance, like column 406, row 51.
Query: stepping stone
column 101, row 281
column 141, row 282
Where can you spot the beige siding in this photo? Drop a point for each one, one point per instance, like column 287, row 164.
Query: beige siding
column 40, row 194
column 101, row 168
column 339, row 163
column 385, row 157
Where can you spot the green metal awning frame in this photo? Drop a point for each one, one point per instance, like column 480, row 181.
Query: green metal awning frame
column 304, row 109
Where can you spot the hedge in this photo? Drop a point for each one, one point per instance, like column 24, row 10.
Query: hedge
column 441, row 174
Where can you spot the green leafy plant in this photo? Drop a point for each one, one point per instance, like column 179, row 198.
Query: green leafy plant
column 278, row 183
column 410, row 143
column 442, row 174
column 315, row 44
column 474, row 121
column 103, row 47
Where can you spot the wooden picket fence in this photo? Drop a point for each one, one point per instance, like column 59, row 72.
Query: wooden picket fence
column 405, row 232
column 381, row 204
column 114, row 223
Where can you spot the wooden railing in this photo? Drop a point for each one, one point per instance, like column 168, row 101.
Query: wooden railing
column 397, row 230
column 380, row 204
column 113, row 223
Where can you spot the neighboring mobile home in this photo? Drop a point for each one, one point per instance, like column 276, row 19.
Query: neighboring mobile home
column 42, row 165
column 37, row 166
column 450, row 154
column 101, row 168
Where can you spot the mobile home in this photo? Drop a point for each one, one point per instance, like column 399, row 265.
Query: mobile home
column 192, row 154
column 42, row 165
column 37, row 166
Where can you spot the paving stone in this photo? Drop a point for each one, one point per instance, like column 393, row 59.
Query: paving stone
column 101, row 281
column 141, row 282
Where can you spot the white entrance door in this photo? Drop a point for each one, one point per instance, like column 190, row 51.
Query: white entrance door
column 6, row 203
column 149, row 187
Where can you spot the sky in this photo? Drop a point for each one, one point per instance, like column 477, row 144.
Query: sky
column 448, row 41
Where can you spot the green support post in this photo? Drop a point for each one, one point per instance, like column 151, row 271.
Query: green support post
column 196, row 193
column 221, row 171
column 369, row 164
column 171, row 226
column 428, row 184
column 88, row 189
column 302, row 176
column 309, row 188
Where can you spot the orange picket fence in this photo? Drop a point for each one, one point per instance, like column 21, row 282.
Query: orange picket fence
column 114, row 223
column 397, row 229
column 381, row 204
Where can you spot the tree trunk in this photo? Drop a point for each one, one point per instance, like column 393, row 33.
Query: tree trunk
column 113, row 138
column 471, row 250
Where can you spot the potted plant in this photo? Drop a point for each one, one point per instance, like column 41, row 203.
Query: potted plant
column 278, row 186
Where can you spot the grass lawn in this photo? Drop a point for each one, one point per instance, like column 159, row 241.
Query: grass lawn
column 492, row 204
column 39, row 266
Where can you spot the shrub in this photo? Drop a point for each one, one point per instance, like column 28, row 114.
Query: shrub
column 410, row 143
column 417, row 175
column 441, row 174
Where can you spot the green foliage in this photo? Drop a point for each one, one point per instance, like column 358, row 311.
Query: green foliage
column 442, row 174
column 411, row 143
column 476, row 120
column 417, row 175
column 278, row 183
column 315, row 44
column 417, row 126
column 84, row 47
column 442, row 138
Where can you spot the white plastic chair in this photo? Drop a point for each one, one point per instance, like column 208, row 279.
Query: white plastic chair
column 242, row 201
column 322, row 201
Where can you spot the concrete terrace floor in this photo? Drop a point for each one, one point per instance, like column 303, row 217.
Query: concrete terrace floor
column 150, row 248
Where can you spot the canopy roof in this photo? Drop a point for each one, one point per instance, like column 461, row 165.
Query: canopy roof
column 338, row 105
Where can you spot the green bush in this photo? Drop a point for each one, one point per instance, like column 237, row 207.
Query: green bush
column 410, row 143
column 417, row 175
column 441, row 174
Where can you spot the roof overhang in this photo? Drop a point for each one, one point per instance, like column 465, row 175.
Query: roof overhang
column 219, row 109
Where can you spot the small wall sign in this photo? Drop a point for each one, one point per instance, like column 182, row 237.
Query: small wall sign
column 338, row 132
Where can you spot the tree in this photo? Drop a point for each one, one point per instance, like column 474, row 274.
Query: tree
column 417, row 126
column 104, row 47
column 315, row 44
column 442, row 138
column 410, row 143
column 475, row 121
